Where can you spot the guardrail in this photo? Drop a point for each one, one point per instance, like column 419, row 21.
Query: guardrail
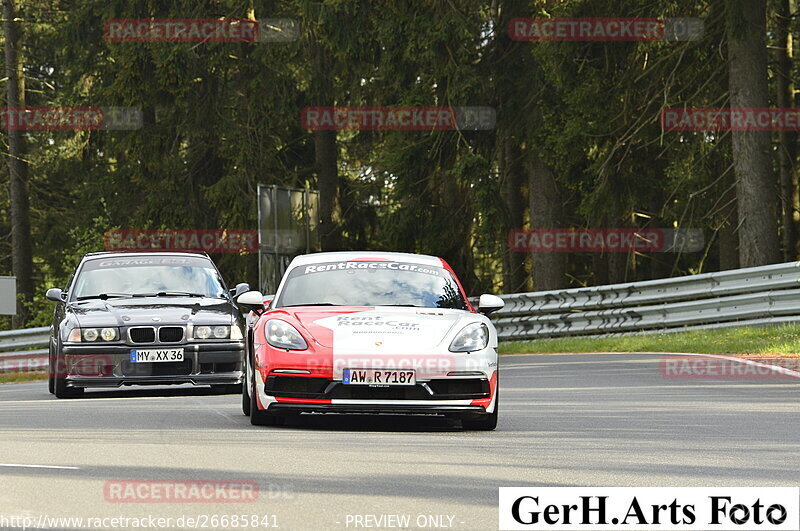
column 740, row 297
column 18, row 352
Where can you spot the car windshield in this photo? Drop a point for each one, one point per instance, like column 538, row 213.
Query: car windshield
column 148, row 276
column 371, row 283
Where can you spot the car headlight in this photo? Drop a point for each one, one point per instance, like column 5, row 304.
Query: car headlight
column 281, row 334
column 215, row 332
column 472, row 337
column 92, row 335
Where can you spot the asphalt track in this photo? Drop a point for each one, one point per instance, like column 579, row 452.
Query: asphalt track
column 566, row 420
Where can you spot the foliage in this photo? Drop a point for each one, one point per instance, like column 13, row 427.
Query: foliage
column 220, row 118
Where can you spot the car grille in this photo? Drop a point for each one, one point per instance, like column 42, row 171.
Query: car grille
column 142, row 334
column 211, row 368
column 179, row 368
column 170, row 334
column 364, row 392
column 300, row 386
column 460, row 388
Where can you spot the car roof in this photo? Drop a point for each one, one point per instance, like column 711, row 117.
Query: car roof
column 106, row 254
column 345, row 256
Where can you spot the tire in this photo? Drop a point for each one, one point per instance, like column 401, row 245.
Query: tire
column 246, row 396
column 259, row 417
column 51, row 379
column 60, row 388
column 486, row 422
column 246, row 377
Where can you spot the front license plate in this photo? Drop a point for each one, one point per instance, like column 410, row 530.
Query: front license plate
column 155, row 355
column 378, row 377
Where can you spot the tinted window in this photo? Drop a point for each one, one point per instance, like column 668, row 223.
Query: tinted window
column 371, row 284
column 148, row 275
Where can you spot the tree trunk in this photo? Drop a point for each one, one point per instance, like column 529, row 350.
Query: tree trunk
column 618, row 267
column 513, row 173
column 729, row 242
column 21, row 253
column 325, row 151
column 513, row 100
column 787, row 140
column 599, row 270
column 548, row 269
column 755, row 184
column 728, row 231
column 328, row 185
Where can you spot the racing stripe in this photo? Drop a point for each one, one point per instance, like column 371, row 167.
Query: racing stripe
column 489, row 403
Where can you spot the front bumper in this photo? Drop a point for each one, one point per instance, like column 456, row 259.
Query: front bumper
column 217, row 363
column 438, row 389
column 389, row 409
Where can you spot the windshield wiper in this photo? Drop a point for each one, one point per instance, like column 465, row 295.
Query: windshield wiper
column 401, row 305
column 103, row 296
column 169, row 294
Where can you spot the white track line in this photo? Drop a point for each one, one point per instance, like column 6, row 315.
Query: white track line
column 12, row 465
column 774, row 368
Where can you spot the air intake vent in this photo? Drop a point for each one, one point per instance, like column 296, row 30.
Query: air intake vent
column 143, row 334
column 170, row 334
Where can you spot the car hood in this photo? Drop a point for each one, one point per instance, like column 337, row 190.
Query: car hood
column 392, row 330
column 152, row 310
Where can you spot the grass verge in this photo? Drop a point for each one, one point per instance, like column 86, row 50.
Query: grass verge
column 16, row 377
column 776, row 340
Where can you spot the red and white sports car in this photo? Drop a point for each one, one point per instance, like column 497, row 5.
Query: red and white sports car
column 371, row 332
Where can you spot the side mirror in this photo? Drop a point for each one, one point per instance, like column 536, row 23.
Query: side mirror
column 239, row 289
column 252, row 300
column 490, row 303
column 55, row 295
